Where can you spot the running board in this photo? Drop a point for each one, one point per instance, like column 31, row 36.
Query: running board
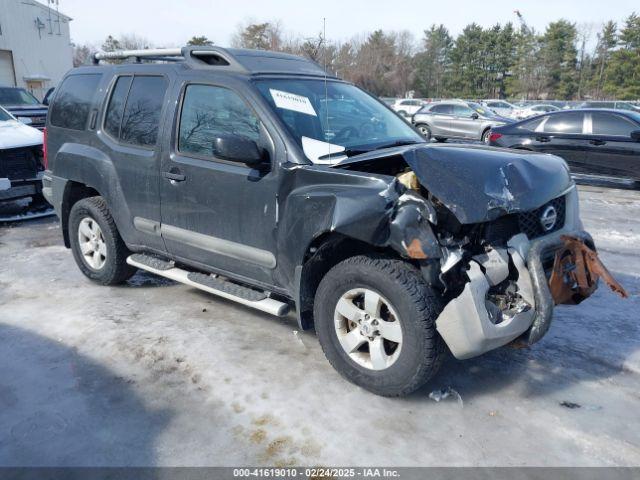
column 210, row 283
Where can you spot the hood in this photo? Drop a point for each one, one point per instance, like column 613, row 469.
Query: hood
column 478, row 183
column 14, row 134
column 16, row 109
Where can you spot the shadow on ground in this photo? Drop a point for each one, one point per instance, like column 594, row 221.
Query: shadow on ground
column 60, row 408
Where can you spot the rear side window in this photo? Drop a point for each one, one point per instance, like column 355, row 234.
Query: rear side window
column 138, row 122
column 447, row 109
column 72, row 102
column 207, row 112
column 564, row 123
column 116, row 106
column 610, row 124
column 531, row 124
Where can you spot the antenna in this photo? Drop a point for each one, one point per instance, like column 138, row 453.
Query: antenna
column 326, row 89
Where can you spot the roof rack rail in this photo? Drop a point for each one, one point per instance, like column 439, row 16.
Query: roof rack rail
column 196, row 56
column 137, row 54
column 230, row 60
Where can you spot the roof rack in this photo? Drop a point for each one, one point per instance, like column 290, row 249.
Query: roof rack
column 234, row 60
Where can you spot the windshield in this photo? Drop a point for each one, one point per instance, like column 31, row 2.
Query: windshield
column 334, row 118
column 17, row 96
column 485, row 112
column 4, row 115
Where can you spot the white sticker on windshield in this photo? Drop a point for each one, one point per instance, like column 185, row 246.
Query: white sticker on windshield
column 291, row 101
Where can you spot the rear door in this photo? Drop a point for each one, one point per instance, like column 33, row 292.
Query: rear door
column 218, row 213
column 611, row 150
column 562, row 134
column 440, row 119
column 130, row 128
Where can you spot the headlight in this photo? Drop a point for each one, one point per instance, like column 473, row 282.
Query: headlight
column 25, row 120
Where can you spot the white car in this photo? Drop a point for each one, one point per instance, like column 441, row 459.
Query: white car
column 21, row 161
column 531, row 110
column 407, row 106
column 500, row 107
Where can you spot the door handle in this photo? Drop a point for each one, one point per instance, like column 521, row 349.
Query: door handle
column 543, row 138
column 597, row 142
column 174, row 176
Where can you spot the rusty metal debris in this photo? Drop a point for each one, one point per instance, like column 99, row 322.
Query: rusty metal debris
column 409, row 180
column 575, row 274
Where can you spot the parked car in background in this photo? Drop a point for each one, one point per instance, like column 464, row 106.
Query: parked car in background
column 500, row 107
column 592, row 141
column 613, row 105
column 531, row 110
column 24, row 106
column 21, row 162
column 457, row 119
column 407, row 106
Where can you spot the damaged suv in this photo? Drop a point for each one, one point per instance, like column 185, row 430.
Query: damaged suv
column 256, row 177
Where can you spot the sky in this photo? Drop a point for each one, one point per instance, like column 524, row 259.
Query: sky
column 171, row 23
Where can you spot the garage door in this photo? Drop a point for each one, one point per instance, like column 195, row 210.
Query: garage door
column 7, row 74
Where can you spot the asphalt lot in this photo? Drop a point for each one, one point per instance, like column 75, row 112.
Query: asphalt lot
column 157, row 373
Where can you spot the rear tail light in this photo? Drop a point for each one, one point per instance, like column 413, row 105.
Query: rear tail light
column 45, row 160
column 494, row 136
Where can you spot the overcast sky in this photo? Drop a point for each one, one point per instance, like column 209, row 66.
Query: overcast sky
column 172, row 23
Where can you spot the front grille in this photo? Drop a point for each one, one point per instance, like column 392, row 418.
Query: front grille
column 530, row 222
column 18, row 164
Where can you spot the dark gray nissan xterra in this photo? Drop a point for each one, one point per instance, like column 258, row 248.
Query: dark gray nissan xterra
column 256, row 177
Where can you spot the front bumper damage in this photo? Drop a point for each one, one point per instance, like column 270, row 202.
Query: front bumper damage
column 471, row 324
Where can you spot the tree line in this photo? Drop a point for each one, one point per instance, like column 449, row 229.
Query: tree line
column 565, row 61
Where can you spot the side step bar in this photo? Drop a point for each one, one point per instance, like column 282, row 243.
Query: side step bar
column 210, row 283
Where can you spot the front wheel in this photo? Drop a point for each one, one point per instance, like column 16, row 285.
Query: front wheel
column 375, row 319
column 96, row 244
column 424, row 130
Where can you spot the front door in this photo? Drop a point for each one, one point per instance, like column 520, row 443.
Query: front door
column 612, row 151
column 463, row 124
column 215, row 212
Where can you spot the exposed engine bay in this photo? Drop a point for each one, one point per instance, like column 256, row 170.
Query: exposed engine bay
column 503, row 254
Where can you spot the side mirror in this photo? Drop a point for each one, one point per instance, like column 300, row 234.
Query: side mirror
column 635, row 135
column 475, row 116
column 237, row 149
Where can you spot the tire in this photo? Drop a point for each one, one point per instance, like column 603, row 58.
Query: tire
column 424, row 130
column 485, row 136
column 111, row 267
column 415, row 359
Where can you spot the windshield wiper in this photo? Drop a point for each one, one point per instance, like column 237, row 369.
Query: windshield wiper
column 397, row 143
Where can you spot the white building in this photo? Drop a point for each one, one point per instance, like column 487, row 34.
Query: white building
column 35, row 46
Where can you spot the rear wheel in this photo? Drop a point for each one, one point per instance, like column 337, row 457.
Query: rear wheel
column 97, row 247
column 485, row 136
column 375, row 319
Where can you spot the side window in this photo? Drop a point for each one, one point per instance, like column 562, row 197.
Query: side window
column 141, row 116
column 444, row 109
column 462, row 111
column 531, row 125
column 116, row 106
column 609, row 124
column 72, row 103
column 564, row 123
column 207, row 112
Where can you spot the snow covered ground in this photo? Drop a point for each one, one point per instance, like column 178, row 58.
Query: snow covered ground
column 156, row 373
